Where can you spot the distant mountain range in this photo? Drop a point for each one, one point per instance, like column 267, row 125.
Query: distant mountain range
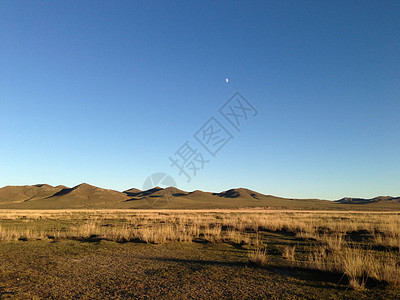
column 348, row 200
column 85, row 196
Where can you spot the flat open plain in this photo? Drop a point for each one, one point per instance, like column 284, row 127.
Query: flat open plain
column 208, row 254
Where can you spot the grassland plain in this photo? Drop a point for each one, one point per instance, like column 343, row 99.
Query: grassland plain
column 207, row 254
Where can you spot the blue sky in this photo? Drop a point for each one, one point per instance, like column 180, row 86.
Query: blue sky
column 104, row 92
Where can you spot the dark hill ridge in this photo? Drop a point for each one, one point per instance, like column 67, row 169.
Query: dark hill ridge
column 348, row 200
column 132, row 191
column 82, row 196
column 239, row 192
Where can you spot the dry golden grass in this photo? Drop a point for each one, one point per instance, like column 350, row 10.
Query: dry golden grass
column 358, row 265
column 334, row 242
column 386, row 228
column 288, row 253
column 258, row 257
column 354, row 264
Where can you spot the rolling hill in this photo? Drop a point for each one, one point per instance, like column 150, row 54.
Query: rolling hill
column 85, row 196
column 26, row 193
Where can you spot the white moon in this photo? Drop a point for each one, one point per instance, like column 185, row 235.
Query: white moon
column 226, row 80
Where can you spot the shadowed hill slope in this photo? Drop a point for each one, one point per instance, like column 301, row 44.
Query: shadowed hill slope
column 348, row 200
column 26, row 193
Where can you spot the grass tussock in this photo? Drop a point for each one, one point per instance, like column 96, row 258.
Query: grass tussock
column 359, row 265
column 288, row 253
column 258, row 257
column 334, row 243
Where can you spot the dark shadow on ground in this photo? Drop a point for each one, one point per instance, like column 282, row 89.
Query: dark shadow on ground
column 311, row 278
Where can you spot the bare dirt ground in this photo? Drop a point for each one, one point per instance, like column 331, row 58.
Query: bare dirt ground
column 100, row 269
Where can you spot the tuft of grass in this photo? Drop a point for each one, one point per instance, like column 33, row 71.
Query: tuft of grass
column 213, row 233
column 258, row 257
column 288, row 253
column 334, row 243
column 318, row 259
column 355, row 265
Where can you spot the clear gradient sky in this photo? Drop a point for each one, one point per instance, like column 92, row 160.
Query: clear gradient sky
column 104, row 92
